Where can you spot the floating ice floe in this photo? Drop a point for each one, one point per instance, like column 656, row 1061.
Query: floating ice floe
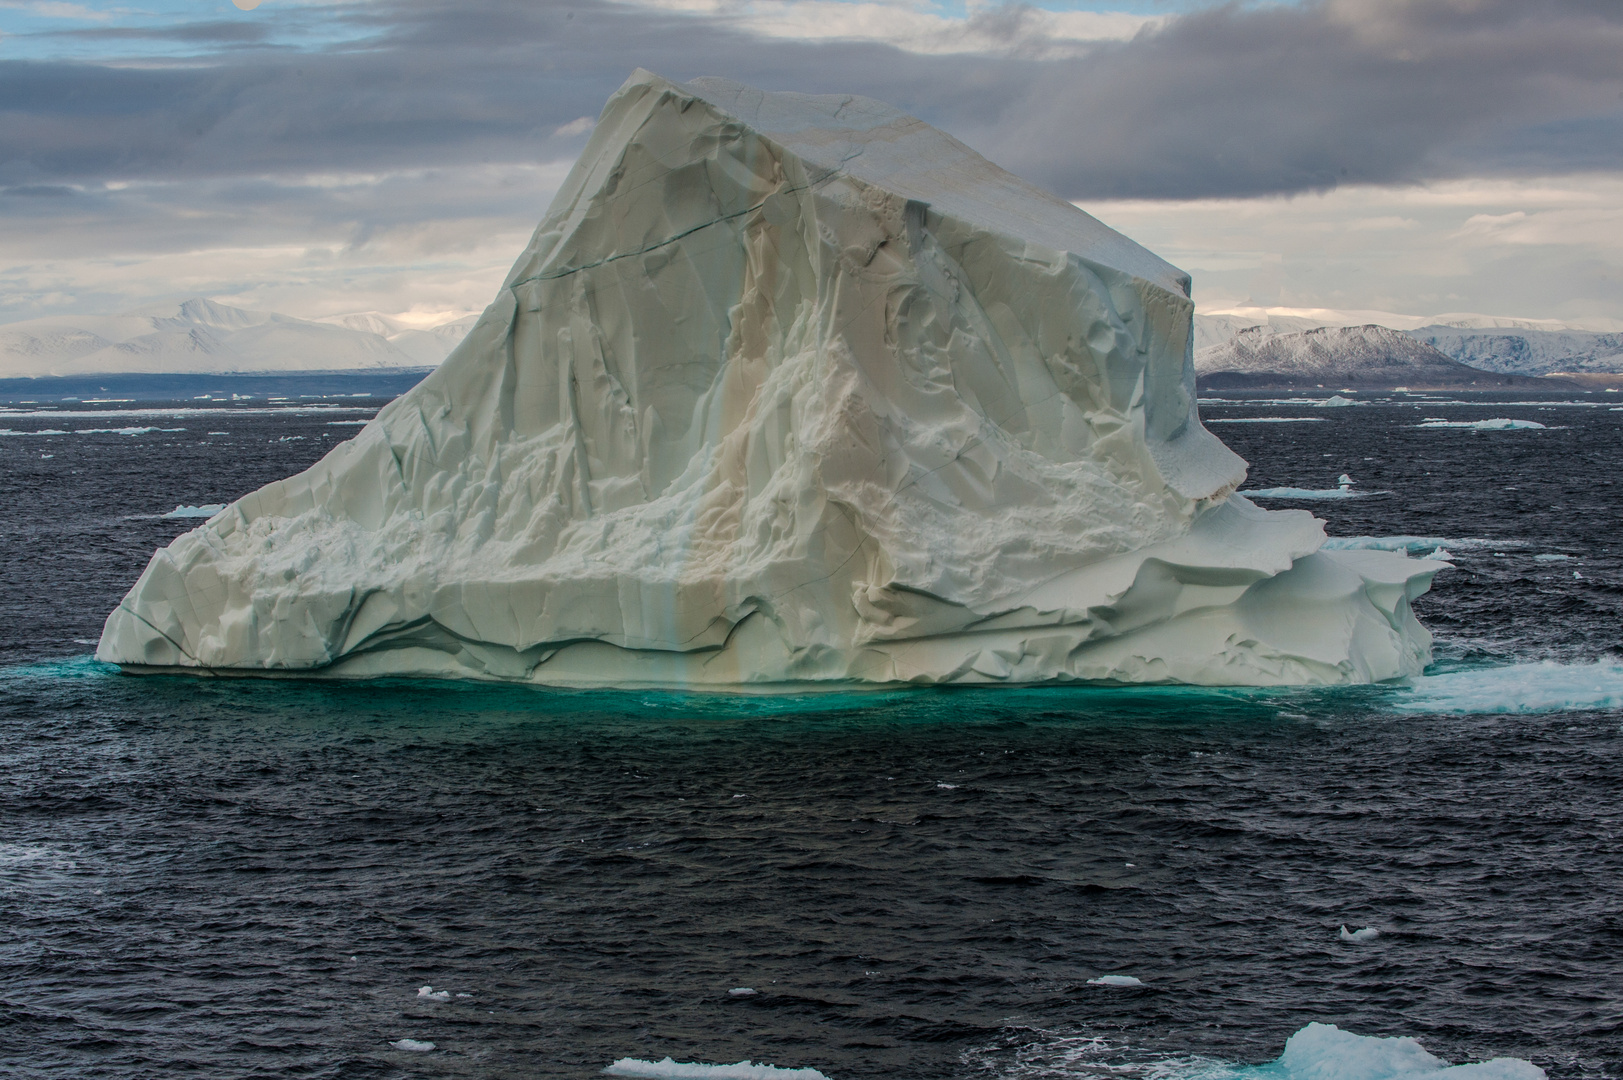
column 742, row 991
column 1315, row 1052
column 1368, row 933
column 667, row 1069
column 1266, row 420
column 207, row 510
column 1115, row 980
column 412, row 1044
column 1325, row 1052
column 432, row 994
column 92, row 431
column 1551, row 557
column 1335, row 401
column 1307, row 493
column 1515, row 688
column 1498, row 423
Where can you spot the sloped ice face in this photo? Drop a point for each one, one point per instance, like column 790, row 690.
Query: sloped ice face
column 788, row 389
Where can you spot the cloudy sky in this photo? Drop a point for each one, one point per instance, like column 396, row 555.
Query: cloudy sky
column 326, row 156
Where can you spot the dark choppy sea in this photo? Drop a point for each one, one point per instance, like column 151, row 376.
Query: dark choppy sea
column 239, row 878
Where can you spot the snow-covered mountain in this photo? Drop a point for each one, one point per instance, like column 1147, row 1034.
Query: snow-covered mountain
column 1335, row 356
column 204, row 337
column 1488, row 342
column 1528, row 352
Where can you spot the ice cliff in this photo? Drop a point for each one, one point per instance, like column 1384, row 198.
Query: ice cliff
column 788, row 390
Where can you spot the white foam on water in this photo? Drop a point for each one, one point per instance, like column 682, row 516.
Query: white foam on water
column 1498, row 423
column 667, row 1069
column 207, row 510
column 1515, row 688
column 1115, row 980
column 412, row 1044
column 1266, row 419
column 1315, row 1052
column 1368, row 933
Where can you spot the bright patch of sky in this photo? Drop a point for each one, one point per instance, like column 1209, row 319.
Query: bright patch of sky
column 189, row 30
column 159, row 30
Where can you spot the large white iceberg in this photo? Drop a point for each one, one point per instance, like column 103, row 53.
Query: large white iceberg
column 788, row 390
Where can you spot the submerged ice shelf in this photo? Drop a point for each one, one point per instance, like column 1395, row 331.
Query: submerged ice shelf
column 788, row 390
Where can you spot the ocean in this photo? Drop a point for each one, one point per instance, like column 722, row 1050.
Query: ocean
column 243, row 878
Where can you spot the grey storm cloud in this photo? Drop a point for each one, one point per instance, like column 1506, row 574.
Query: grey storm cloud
column 1231, row 100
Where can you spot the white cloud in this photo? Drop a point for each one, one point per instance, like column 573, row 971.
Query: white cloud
column 424, row 241
column 1549, row 247
column 1028, row 32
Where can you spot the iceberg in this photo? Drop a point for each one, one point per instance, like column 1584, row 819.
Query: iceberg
column 788, row 391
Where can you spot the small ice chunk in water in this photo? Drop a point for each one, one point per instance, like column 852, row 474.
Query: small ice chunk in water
column 1335, row 401
column 666, row 1069
column 464, row 995
column 947, row 787
column 1368, row 933
column 1115, row 980
column 1344, row 480
column 1439, row 555
column 742, row 991
column 1551, row 558
column 432, row 994
column 411, row 1044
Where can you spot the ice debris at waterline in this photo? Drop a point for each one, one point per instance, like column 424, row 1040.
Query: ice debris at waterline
column 788, row 390
column 184, row 511
column 1541, row 687
column 1368, row 933
column 667, row 1069
column 1315, row 1052
column 1325, row 1052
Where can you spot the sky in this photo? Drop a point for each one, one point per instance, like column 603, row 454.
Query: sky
column 318, row 157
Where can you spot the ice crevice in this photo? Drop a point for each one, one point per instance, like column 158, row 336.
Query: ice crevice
column 788, row 391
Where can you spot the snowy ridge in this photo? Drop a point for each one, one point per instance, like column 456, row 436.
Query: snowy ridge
column 1365, row 356
column 199, row 336
column 1496, row 344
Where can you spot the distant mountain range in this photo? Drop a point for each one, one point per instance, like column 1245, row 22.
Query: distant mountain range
column 1358, row 357
column 202, row 337
column 1590, row 349
column 199, row 336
